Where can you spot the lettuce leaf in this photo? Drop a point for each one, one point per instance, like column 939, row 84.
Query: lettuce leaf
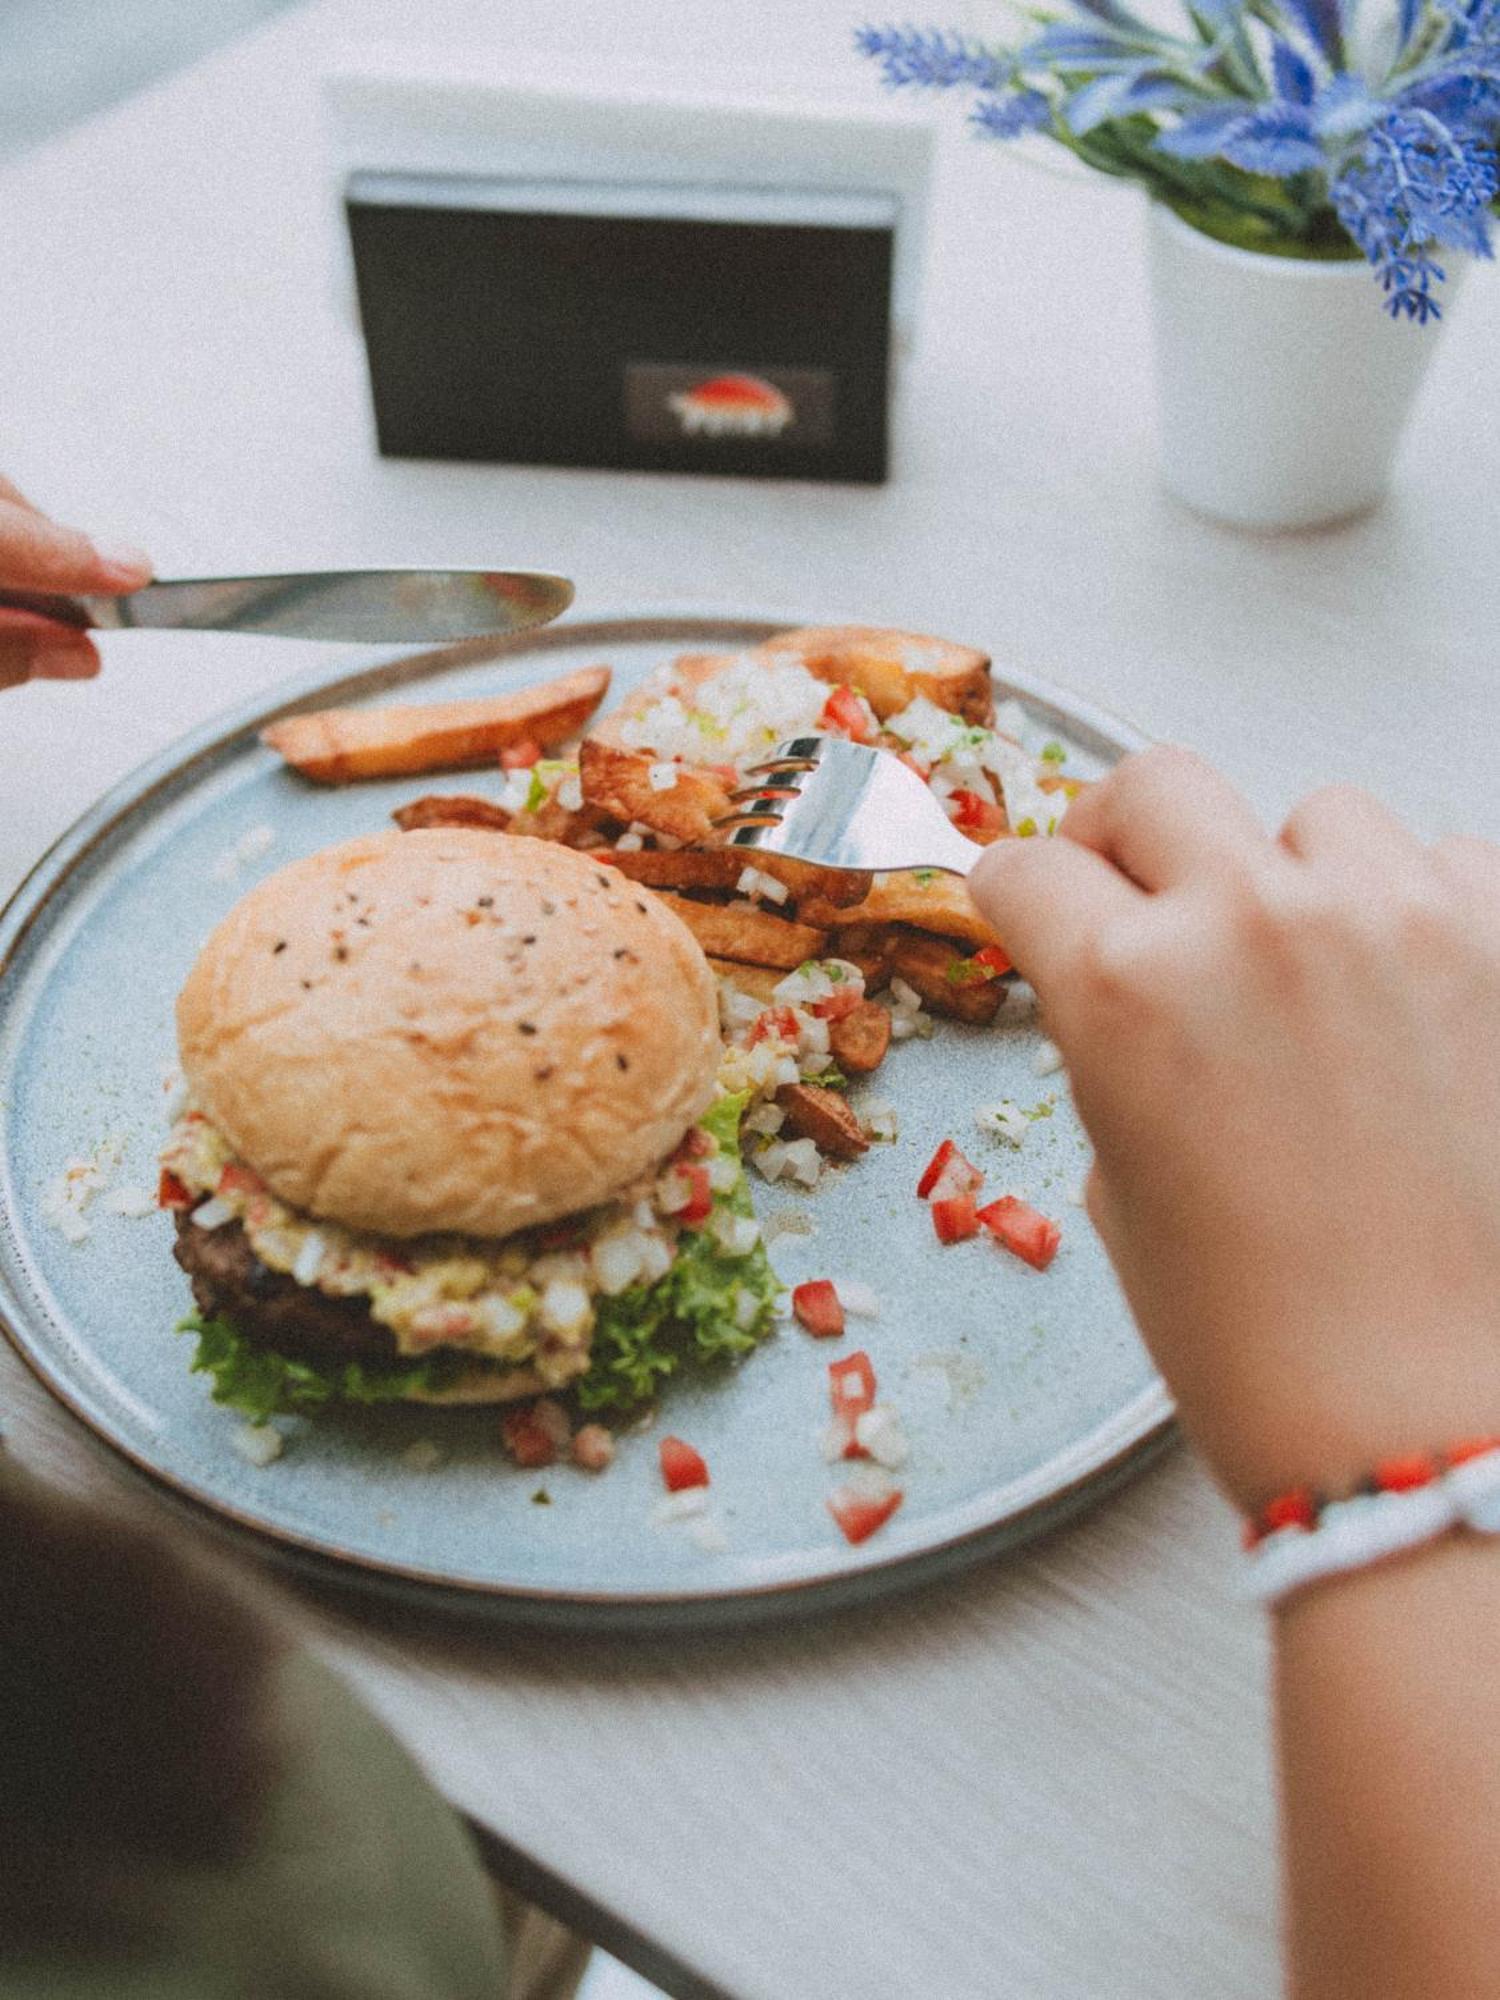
column 640, row 1337
column 259, row 1382
column 692, row 1314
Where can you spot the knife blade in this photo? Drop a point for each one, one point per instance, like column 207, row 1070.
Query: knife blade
column 379, row 606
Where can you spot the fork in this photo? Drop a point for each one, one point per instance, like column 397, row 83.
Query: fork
column 843, row 805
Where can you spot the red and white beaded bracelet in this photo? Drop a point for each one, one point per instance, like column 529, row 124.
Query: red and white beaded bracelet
column 1301, row 1536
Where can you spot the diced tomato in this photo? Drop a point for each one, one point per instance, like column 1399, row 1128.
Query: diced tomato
column 948, row 1173
column 851, row 1383
column 700, row 1201
column 527, row 1438
column 696, row 1144
column 1022, row 1230
column 520, row 756
column 818, row 1307
column 934, row 1167
column 844, row 714
column 836, row 1006
column 955, row 1219
column 778, row 1021
column 681, row 1465
column 859, row 1517
column 236, row 1179
column 994, row 959
column 975, row 814
column 171, row 1193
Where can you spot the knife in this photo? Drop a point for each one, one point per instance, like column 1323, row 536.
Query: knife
column 433, row 606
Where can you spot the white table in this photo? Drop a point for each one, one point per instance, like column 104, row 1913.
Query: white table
column 1050, row 1777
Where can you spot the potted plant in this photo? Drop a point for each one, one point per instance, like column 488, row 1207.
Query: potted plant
column 1288, row 147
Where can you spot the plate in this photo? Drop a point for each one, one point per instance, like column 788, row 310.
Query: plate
column 1025, row 1394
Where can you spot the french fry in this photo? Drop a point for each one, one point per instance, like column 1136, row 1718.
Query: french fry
column 758, row 981
column 933, row 969
column 453, row 809
column 751, row 937
column 619, row 783
column 554, row 821
column 891, row 668
column 722, row 867
column 869, row 947
column 858, row 1043
column 336, row 745
column 925, row 898
column 824, row 1117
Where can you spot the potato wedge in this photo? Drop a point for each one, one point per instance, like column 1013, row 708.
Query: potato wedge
column 925, row 898
column 619, row 783
column 722, row 867
column 451, row 809
column 759, row 981
column 336, row 745
column 824, row 1117
column 749, row 936
column 891, row 668
column 932, row 968
column 859, row 1042
column 867, row 946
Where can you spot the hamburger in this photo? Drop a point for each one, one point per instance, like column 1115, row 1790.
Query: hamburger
column 453, row 1134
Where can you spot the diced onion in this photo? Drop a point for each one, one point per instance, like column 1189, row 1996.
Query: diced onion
column 803, row 1161
column 879, row 1118
column 214, row 1213
column 858, row 1298
column 257, row 1444
column 1048, row 1059
column 570, row 793
column 309, row 1258
column 737, row 1234
column 629, row 843
column 662, row 777
column 564, row 1307
column 880, row 1432
column 723, row 1172
column 1003, row 1121
column 768, row 1118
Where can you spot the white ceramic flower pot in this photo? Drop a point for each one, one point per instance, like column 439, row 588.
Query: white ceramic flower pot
column 1282, row 384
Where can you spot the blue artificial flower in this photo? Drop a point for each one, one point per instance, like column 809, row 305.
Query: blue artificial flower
column 1009, row 117
column 934, row 60
column 1278, row 141
column 1399, row 155
column 1292, row 73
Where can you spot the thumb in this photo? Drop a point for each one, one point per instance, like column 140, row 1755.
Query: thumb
column 37, row 554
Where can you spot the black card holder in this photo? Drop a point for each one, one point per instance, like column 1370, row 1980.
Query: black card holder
column 650, row 328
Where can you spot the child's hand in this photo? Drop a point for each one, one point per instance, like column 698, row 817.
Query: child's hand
column 1287, row 1054
column 37, row 555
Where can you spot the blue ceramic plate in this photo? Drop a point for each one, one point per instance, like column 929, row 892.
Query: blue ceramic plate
column 1024, row 1394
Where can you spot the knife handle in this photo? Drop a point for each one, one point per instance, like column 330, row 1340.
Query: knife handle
column 84, row 614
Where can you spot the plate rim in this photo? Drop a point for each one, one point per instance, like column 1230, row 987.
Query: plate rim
column 1133, row 1434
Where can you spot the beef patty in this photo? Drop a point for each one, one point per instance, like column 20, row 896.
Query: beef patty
column 271, row 1309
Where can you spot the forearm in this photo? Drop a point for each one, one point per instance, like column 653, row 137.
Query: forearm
column 1388, row 1707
